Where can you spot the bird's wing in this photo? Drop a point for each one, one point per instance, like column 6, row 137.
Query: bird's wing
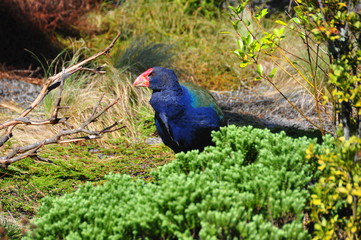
column 201, row 97
column 163, row 120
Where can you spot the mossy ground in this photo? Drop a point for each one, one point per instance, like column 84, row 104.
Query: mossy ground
column 24, row 183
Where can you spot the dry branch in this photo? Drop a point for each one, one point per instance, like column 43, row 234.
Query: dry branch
column 30, row 150
column 53, row 82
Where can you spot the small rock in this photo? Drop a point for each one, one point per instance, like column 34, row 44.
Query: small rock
column 101, row 156
column 94, row 150
column 19, row 92
column 153, row 140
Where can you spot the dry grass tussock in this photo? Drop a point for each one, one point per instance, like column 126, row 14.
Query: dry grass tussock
column 114, row 84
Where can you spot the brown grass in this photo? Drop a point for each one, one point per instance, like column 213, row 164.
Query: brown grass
column 115, row 84
column 48, row 16
column 33, row 26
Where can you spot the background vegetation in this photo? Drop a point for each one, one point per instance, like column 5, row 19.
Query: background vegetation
column 335, row 26
column 205, row 43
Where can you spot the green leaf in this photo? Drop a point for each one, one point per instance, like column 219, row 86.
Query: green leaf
column 296, row 20
column 279, row 32
column 240, row 44
column 237, row 10
column 259, row 69
column 247, row 23
column 302, row 35
column 261, row 14
column 272, row 73
column 235, row 24
column 248, row 40
column 239, row 53
column 232, row 8
column 357, row 24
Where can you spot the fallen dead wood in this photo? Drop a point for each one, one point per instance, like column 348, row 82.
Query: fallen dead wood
column 63, row 136
column 30, row 150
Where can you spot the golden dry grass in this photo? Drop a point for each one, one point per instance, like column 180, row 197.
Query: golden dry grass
column 114, row 84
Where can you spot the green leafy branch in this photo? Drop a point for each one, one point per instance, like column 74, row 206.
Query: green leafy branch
column 337, row 24
column 258, row 45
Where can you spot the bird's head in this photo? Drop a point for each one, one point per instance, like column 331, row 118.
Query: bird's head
column 157, row 79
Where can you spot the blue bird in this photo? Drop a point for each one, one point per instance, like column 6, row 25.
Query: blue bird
column 185, row 114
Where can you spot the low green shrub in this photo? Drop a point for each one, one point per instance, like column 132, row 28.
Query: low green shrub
column 336, row 197
column 251, row 185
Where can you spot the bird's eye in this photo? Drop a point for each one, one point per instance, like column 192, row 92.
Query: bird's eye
column 151, row 74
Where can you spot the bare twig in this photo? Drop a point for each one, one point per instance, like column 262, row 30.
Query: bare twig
column 30, row 150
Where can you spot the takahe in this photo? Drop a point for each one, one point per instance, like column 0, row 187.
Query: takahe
column 185, row 114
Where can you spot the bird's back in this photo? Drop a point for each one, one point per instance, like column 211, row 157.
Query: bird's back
column 201, row 97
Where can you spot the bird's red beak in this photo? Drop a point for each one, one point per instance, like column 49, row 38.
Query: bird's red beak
column 143, row 79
